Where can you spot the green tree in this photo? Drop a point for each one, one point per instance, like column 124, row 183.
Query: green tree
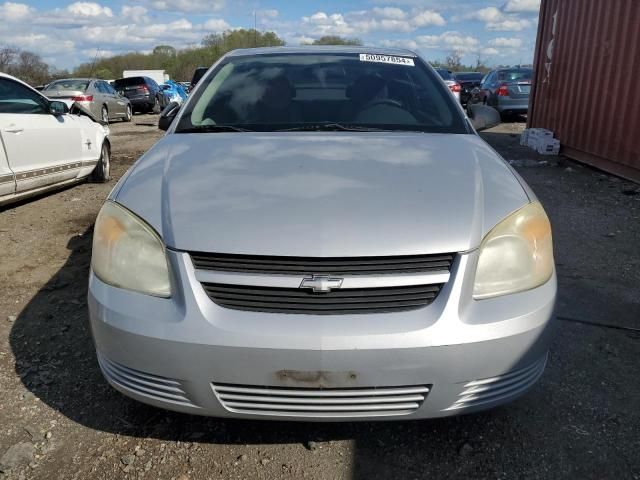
column 165, row 50
column 336, row 40
column 181, row 64
column 241, row 38
column 104, row 74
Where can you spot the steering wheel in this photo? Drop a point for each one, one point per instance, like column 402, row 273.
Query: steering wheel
column 383, row 101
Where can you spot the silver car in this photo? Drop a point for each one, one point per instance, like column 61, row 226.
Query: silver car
column 322, row 235
column 95, row 95
column 507, row 90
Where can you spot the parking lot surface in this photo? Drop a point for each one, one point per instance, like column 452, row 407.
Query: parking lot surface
column 60, row 420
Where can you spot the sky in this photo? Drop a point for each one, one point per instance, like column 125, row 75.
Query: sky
column 68, row 33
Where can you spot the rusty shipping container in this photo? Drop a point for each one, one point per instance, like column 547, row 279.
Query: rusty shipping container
column 586, row 87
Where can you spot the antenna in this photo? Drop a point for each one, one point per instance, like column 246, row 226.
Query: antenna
column 95, row 59
column 255, row 28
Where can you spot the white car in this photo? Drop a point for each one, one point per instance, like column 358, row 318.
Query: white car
column 44, row 145
column 450, row 81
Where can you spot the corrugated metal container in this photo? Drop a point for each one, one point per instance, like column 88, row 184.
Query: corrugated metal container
column 587, row 81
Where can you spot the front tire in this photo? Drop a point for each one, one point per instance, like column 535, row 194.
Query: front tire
column 102, row 172
column 128, row 115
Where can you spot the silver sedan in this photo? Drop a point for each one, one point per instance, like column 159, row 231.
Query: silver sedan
column 95, row 95
column 322, row 235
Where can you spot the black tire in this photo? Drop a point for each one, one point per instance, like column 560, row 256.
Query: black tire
column 105, row 114
column 102, row 172
column 128, row 114
column 156, row 106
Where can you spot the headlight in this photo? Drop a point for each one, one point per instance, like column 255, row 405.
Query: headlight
column 516, row 255
column 127, row 253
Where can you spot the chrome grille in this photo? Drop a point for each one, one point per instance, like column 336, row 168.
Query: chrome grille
column 344, row 301
column 330, row 402
column 500, row 388
column 318, row 265
column 145, row 384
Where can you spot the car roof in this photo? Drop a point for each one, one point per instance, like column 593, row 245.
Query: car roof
column 315, row 49
column 11, row 77
column 73, row 78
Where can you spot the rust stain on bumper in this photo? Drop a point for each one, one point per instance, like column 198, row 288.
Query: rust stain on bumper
column 317, row 378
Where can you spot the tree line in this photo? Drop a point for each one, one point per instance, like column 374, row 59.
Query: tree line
column 179, row 64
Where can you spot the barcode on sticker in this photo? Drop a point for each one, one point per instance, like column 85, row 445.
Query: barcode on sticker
column 368, row 57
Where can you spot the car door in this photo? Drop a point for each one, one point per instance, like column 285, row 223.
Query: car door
column 488, row 88
column 7, row 180
column 100, row 99
column 117, row 106
column 41, row 148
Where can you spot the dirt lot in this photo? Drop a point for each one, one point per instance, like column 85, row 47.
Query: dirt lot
column 60, row 420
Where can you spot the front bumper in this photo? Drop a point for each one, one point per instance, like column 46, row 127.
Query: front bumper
column 179, row 353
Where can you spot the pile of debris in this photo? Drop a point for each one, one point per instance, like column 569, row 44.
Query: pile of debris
column 541, row 140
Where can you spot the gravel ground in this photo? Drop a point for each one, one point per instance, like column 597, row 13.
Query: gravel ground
column 60, row 420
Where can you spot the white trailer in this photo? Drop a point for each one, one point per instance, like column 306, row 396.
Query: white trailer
column 158, row 75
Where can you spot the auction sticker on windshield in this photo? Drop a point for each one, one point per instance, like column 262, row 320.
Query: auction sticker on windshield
column 368, row 57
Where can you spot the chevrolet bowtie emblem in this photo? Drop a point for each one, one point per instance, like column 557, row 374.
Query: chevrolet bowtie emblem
column 321, row 283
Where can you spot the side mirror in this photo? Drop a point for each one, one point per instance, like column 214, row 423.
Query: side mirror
column 483, row 117
column 167, row 115
column 58, row 108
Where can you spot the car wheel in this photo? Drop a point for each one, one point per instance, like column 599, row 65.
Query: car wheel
column 102, row 172
column 128, row 114
column 105, row 114
column 156, row 106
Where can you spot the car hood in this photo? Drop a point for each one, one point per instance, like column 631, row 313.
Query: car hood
column 322, row 193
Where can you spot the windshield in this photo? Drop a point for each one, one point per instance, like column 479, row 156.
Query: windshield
column 469, row 77
column 128, row 82
column 515, row 75
column 296, row 91
column 445, row 74
column 75, row 85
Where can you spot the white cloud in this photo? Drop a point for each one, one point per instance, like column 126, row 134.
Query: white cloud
column 361, row 22
column 270, row 13
column 505, row 42
column 138, row 14
column 449, row 41
column 467, row 45
column 189, row 6
column 509, row 25
column 517, row 6
column 216, row 25
column 495, row 19
column 88, row 9
column 423, row 18
column 490, row 51
column 401, row 43
column 392, row 13
column 11, row 11
column 488, row 14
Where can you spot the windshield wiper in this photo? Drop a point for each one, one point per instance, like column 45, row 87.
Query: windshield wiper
column 212, row 129
column 331, row 127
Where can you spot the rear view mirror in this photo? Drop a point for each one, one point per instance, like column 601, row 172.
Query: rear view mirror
column 483, row 117
column 167, row 115
column 58, row 108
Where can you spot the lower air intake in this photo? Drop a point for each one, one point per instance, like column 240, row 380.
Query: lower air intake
column 484, row 392
column 145, row 384
column 330, row 402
